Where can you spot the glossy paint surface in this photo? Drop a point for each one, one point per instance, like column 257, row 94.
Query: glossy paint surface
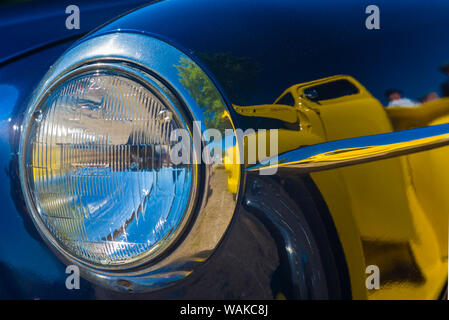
column 29, row 25
column 293, row 41
column 255, row 50
column 29, row 269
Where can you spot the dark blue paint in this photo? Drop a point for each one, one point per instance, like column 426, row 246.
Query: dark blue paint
column 27, row 266
column 289, row 42
column 28, row 269
column 297, row 41
column 29, row 25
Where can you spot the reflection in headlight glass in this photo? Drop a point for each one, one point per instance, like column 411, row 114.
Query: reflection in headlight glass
column 99, row 172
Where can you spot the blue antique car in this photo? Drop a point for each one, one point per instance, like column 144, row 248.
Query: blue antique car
column 224, row 149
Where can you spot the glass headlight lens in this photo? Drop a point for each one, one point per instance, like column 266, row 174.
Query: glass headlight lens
column 98, row 170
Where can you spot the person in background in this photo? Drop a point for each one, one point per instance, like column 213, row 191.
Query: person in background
column 395, row 98
column 445, row 85
column 429, row 97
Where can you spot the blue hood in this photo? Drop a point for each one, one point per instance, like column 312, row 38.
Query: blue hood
column 29, row 25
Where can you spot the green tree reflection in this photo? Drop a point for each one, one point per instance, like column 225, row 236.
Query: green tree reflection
column 237, row 76
column 203, row 91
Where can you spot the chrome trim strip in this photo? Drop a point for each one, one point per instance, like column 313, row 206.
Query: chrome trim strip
column 341, row 153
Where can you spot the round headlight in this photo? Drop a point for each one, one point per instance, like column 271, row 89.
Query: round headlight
column 98, row 170
column 114, row 162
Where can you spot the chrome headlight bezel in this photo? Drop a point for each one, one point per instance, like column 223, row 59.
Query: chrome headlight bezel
column 163, row 93
column 153, row 62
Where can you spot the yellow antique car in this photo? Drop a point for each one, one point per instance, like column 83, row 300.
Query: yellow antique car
column 392, row 213
column 111, row 149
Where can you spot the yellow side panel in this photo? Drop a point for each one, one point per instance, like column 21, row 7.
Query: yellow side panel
column 400, row 205
column 430, row 177
column 334, row 191
column 391, row 213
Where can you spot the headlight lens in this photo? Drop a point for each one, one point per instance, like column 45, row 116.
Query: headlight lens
column 98, row 170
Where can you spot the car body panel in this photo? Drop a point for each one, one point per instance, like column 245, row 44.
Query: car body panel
column 408, row 212
column 29, row 25
column 382, row 210
column 29, row 269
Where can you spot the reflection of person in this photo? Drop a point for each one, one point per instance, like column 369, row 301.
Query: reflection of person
column 430, row 97
column 395, row 99
column 445, row 85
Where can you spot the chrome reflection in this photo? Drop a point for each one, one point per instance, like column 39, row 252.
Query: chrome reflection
column 216, row 201
column 311, row 115
column 336, row 154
